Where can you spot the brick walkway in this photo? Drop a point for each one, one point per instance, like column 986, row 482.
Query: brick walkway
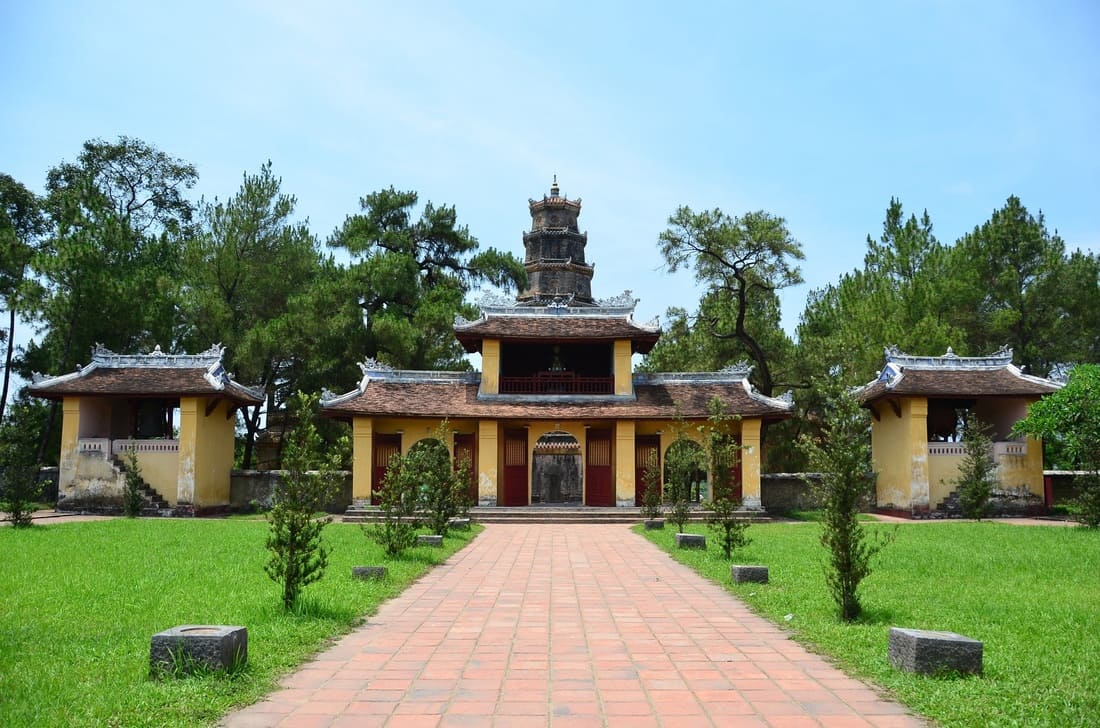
column 550, row 625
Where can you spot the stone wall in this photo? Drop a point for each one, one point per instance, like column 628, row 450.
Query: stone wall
column 251, row 490
column 783, row 492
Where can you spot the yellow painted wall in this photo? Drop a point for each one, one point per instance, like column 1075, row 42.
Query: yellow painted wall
column 899, row 451
column 1015, row 471
column 750, row 463
column 943, row 470
column 623, row 457
column 161, row 471
column 206, row 453
column 490, row 366
column 623, row 382
column 70, row 429
column 488, row 462
column 362, row 456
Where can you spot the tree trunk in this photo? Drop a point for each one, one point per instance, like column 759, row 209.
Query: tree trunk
column 7, row 361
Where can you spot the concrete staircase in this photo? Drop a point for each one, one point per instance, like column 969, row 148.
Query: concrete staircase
column 362, row 513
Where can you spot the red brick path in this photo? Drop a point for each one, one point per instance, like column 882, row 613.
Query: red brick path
column 551, row 625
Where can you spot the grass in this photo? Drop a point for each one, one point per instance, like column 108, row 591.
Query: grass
column 79, row 603
column 1030, row 594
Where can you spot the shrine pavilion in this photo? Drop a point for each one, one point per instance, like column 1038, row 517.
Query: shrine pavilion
column 556, row 415
column 129, row 403
column 919, row 406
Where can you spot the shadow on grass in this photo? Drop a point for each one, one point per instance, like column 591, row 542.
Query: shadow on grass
column 311, row 608
column 877, row 616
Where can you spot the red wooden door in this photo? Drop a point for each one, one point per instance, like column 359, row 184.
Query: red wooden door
column 599, row 487
column 515, row 468
column 384, row 448
column 466, row 453
column 646, row 448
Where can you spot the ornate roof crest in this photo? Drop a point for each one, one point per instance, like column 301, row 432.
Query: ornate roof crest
column 741, row 369
column 370, row 364
column 949, row 360
column 623, row 300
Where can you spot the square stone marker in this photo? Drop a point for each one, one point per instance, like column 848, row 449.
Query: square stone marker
column 429, row 540
column 929, row 652
column 190, row 646
column 368, row 572
column 742, row 574
column 691, row 541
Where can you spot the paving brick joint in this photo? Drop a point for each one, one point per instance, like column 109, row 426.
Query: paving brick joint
column 568, row 625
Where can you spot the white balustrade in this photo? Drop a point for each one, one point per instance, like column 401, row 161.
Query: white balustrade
column 94, row 446
column 119, row 447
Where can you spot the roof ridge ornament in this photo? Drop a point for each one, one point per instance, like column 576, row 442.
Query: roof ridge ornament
column 741, row 369
column 370, row 364
column 623, row 300
column 949, row 360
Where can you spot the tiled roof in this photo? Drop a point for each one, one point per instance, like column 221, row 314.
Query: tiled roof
column 152, row 375
column 953, row 376
column 556, row 328
column 458, row 399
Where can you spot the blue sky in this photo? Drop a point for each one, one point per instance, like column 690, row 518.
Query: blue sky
column 816, row 112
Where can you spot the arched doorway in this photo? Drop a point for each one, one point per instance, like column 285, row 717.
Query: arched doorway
column 685, row 461
column 556, row 469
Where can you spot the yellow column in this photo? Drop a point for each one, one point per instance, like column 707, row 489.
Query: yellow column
column 750, row 464
column 70, row 436
column 362, row 457
column 624, row 463
column 623, row 383
column 487, row 457
column 189, row 419
column 918, row 449
column 490, row 366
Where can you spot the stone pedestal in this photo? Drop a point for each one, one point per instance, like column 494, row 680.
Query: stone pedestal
column 928, row 652
column 190, row 647
column 743, row 574
column 655, row 524
column 691, row 541
column 429, row 540
column 368, row 572
column 460, row 523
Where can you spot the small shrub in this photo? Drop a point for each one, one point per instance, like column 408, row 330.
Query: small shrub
column 843, row 458
column 298, row 557
column 20, row 487
column 722, row 453
column 134, row 497
column 681, row 465
column 442, row 487
column 651, row 494
column 977, row 472
column 399, row 499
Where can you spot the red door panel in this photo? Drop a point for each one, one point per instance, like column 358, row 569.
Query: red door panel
column 384, row 448
column 515, row 468
column 598, row 472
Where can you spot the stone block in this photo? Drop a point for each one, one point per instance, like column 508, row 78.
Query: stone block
column 460, row 523
column 691, row 541
column 190, row 647
column 929, row 652
column 655, row 524
column 368, row 572
column 429, row 540
column 742, row 574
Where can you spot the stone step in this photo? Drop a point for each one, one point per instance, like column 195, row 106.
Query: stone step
column 543, row 514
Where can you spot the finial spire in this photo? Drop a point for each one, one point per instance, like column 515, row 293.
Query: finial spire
column 554, row 190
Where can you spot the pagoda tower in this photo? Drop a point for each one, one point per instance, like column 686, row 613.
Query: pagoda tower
column 554, row 259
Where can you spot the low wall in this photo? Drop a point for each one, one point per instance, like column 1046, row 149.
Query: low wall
column 1060, row 486
column 784, row 492
column 251, row 490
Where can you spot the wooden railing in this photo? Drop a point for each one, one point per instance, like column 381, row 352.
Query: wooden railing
column 557, row 383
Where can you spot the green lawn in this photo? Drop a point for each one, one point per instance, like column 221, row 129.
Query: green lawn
column 80, row 601
column 1030, row 594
